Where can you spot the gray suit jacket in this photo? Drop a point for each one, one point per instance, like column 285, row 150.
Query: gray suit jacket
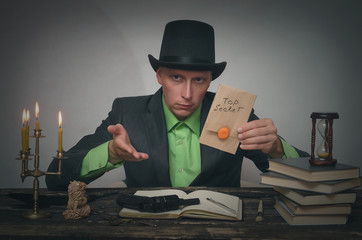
column 144, row 120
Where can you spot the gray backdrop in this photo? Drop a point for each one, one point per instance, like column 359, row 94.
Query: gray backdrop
column 77, row 56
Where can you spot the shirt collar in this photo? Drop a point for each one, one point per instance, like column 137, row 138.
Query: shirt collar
column 193, row 121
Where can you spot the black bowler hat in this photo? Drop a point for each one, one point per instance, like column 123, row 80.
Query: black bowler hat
column 188, row 45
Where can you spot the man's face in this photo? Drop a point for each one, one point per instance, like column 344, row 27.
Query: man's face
column 183, row 90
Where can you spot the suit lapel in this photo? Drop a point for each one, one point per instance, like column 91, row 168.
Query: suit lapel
column 209, row 155
column 156, row 134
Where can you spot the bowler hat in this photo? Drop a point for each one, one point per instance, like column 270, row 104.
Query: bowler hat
column 188, row 45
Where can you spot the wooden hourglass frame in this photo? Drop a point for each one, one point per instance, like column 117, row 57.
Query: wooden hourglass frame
column 328, row 117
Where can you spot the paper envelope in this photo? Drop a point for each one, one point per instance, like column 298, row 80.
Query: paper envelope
column 231, row 108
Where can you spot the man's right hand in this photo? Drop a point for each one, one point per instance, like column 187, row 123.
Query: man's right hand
column 120, row 147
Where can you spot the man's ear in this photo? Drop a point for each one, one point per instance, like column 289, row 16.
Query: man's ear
column 159, row 75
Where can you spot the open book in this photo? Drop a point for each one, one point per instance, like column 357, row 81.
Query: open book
column 213, row 205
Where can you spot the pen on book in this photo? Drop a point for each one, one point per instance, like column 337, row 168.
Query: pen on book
column 219, row 204
column 259, row 216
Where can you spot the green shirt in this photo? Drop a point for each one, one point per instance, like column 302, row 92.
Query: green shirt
column 184, row 147
column 96, row 162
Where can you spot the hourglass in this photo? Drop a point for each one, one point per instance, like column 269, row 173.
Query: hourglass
column 325, row 129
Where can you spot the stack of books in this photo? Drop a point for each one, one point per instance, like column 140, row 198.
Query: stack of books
column 312, row 195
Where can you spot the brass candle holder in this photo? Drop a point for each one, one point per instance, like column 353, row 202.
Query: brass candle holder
column 36, row 173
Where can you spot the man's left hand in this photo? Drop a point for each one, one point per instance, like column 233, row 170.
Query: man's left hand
column 261, row 135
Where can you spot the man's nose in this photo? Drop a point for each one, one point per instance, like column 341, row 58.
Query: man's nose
column 187, row 90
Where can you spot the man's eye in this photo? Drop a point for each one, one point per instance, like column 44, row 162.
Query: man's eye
column 176, row 77
column 199, row 80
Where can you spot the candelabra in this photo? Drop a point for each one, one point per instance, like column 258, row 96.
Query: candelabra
column 36, row 173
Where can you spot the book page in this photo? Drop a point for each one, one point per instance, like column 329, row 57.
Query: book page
column 232, row 203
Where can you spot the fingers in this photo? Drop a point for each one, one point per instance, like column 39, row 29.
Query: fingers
column 120, row 148
column 259, row 140
column 257, row 128
column 264, row 143
column 136, row 156
column 143, row 156
column 115, row 129
column 258, row 135
column 119, row 152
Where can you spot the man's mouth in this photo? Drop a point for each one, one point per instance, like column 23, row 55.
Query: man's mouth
column 184, row 106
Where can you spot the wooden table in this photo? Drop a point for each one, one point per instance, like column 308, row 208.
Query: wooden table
column 103, row 222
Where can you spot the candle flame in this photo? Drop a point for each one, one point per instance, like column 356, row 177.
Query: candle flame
column 60, row 119
column 37, row 110
column 27, row 116
column 24, row 116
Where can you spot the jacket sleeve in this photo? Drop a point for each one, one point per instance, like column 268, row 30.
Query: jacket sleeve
column 72, row 164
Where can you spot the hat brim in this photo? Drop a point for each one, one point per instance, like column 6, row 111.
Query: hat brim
column 216, row 68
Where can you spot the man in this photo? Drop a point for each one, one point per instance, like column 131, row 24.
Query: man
column 156, row 137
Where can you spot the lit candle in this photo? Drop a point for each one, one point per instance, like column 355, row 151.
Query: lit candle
column 37, row 116
column 23, row 134
column 27, row 129
column 60, row 134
